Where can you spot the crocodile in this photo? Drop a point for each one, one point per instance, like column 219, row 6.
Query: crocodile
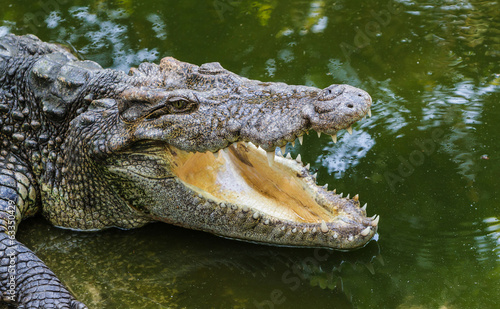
column 195, row 146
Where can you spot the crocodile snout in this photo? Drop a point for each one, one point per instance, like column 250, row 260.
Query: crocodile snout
column 337, row 107
column 342, row 98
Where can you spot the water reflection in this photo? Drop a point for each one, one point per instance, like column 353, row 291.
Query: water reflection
column 347, row 153
column 432, row 66
column 459, row 108
column 488, row 243
column 170, row 267
column 106, row 33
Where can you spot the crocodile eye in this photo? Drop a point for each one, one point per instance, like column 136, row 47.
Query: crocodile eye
column 179, row 104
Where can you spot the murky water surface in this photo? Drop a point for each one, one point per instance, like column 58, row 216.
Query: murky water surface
column 428, row 161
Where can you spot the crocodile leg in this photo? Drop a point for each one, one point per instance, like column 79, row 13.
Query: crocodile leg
column 24, row 279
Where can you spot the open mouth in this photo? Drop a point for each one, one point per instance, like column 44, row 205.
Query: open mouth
column 276, row 199
column 242, row 189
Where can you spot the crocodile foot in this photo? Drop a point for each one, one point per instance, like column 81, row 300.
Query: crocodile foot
column 28, row 282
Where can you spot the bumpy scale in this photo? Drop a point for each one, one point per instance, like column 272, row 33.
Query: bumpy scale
column 93, row 148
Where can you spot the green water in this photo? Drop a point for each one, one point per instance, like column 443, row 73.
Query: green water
column 427, row 162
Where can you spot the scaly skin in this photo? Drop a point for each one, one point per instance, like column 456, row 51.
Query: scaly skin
column 94, row 148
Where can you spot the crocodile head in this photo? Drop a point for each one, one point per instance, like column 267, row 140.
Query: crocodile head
column 195, row 146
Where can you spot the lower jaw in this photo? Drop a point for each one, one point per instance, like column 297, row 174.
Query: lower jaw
column 240, row 196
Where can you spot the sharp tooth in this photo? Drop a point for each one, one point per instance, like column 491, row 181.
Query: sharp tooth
column 226, row 150
column 325, row 187
column 369, row 113
column 341, row 194
column 288, row 156
column 308, row 166
column 319, row 134
column 283, row 150
column 366, row 231
column 364, row 207
column 216, row 155
column 324, row 227
column 380, row 259
column 334, row 138
column 301, row 139
column 348, row 196
column 349, row 130
column 299, row 158
column 375, row 220
column 270, row 158
column 334, row 191
column 293, row 144
column 370, row 268
column 356, row 197
column 315, row 175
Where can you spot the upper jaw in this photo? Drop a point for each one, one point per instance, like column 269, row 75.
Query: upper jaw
column 329, row 110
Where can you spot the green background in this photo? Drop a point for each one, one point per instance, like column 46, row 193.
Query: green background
column 427, row 162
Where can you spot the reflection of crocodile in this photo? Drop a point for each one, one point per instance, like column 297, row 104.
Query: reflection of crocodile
column 172, row 268
column 92, row 148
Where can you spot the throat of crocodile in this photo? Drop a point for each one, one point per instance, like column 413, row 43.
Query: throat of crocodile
column 242, row 176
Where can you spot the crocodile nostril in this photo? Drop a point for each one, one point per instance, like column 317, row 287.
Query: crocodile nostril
column 350, row 105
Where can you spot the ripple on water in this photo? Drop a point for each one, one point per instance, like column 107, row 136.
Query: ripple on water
column 488, row 243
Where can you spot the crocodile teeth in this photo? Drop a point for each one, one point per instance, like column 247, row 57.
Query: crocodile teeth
column 334, row 138
column 319, row 134
column 348, row 196
column 226, row 150
column 293, row 144
column 370, row 268
column 376, row 218
column 364, row 206
column 308, row 166
column 216, row 155
column 288, row 156
column 356, row 197
column 315, row 175
column 270, row 158
column 283, row 150
column 325, row 187
column 299, row 158
column 369, row 113
column 324, row 227
column 301, row 139
column 366, row 231
column 349, row 130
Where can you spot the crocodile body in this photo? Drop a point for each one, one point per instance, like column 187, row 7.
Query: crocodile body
column 92, row 148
